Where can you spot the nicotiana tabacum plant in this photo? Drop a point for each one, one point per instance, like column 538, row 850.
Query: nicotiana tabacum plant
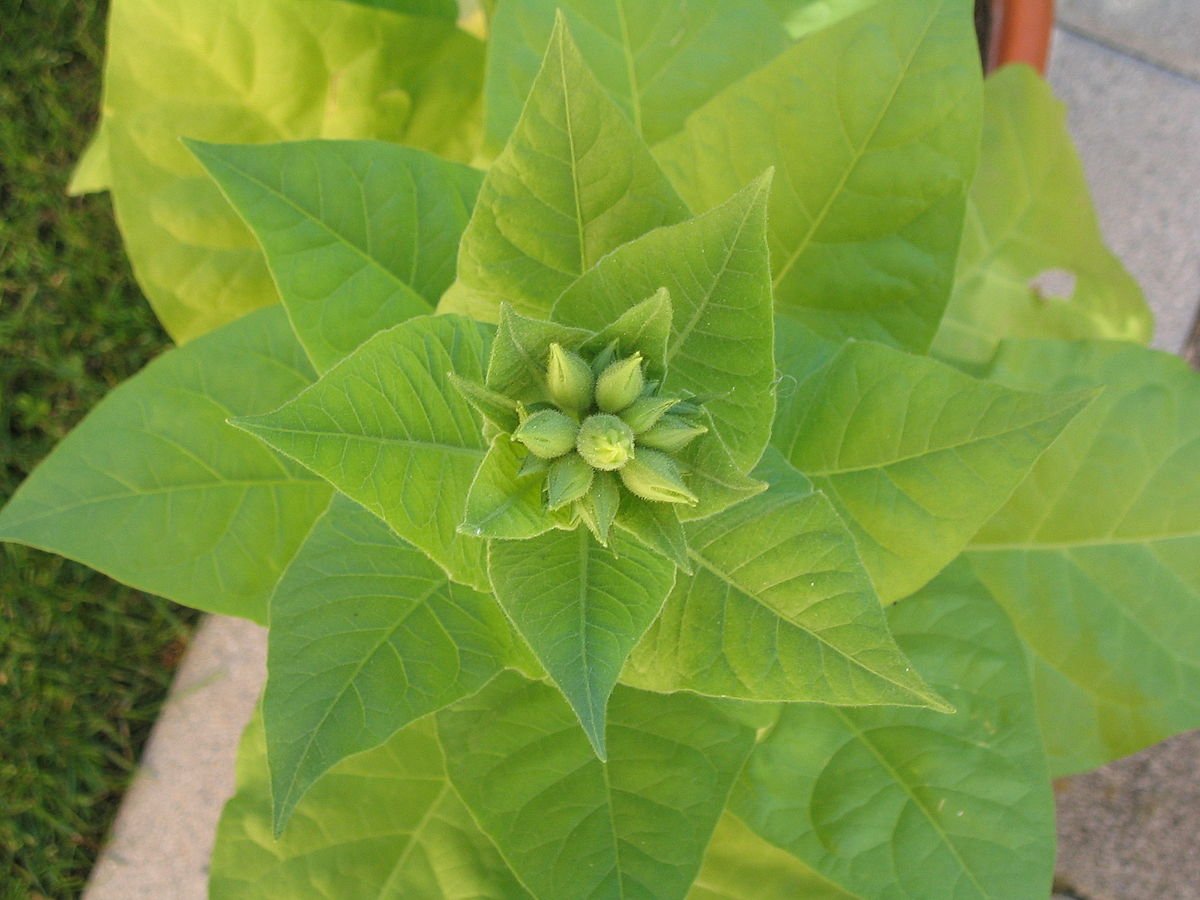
column 692, row 497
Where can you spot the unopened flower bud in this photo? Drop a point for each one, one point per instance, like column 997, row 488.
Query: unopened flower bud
column 568, row 480
column 569, row 379
column 605, row 442
column 547, row 433
column 671, row 433
column 620, row 384
column 645, row 411
column 654, row 476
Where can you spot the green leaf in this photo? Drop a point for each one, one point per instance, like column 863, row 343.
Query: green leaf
column 915, row 455
column 582, row 608
column 1096, row 558
column 387, row 429
column 779, row 608
column 499, row 411
column 440, row 9
column 802, row 17
column 644, row 328
column 154, row 489
column 384, row 824
column 717, row 272
column 658, row 59
column 503, row 502
column 366, row 636
column 92, row 173
column 574, row 182
column 873, row 126
column 521, row 352
column 739, row 864
column 1030, row 213
column 572, row 826
column 713, row 475
column 359, row 235
column 272, row 70
column 657, row 527
column 910, row 802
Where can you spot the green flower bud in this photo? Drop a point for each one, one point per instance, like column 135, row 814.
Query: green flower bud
column 569, row 379
column 654, row 476
column 605, row 442
column 620, row 384
column 645, row 411
column 547, row 433
column 670, row 433
column 568, row 480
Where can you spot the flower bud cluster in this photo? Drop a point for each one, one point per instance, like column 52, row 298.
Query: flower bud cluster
column 603, row 419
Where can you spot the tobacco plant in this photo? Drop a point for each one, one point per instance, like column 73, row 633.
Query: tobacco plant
column 696, row 495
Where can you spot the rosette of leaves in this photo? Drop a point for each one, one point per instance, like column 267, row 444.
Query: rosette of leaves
column 596, row 433
column 617, row 533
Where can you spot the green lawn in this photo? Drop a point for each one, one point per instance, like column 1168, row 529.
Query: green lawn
column 84, row 663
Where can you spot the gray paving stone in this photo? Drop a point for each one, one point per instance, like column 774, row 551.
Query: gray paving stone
column 163, row 836
column 1164, row 32
column 1129, row 831
column 1138, row 131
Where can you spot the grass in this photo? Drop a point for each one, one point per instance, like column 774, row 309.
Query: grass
column 84, row 662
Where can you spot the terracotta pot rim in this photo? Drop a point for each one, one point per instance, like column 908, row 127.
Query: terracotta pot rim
column 1021, row 31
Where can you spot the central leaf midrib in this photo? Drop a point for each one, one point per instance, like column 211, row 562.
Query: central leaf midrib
column 388, row 634
column 700, row 308
column 568, row 128
column 1018, row 428
column 385, row 890
column 895, row 775
column 1035, row 546
column 725, row 579
column 857, row 156
column 428, row 446
column 339, row 238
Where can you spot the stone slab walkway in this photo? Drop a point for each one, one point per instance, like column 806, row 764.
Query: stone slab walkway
column 1129, row 71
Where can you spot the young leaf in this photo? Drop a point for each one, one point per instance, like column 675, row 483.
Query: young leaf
column 739, row 864
column 1028, row 213
column 503, row 502
column 658, row 59
column 644, row 328
column 1096, row 558
column 909, row 802
column 915, row 455
column 154, row 489
column 572, row 826
column 716, row 270
column 384, row 824
column 367, row 635
column 873, row 126
column 574, row 183
column 779, row 608
column 521, row 353
column 581, row 607
column 359, row 235
column 269, row 71
column 387, row 428
column 713, row 475
column 656, row 526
